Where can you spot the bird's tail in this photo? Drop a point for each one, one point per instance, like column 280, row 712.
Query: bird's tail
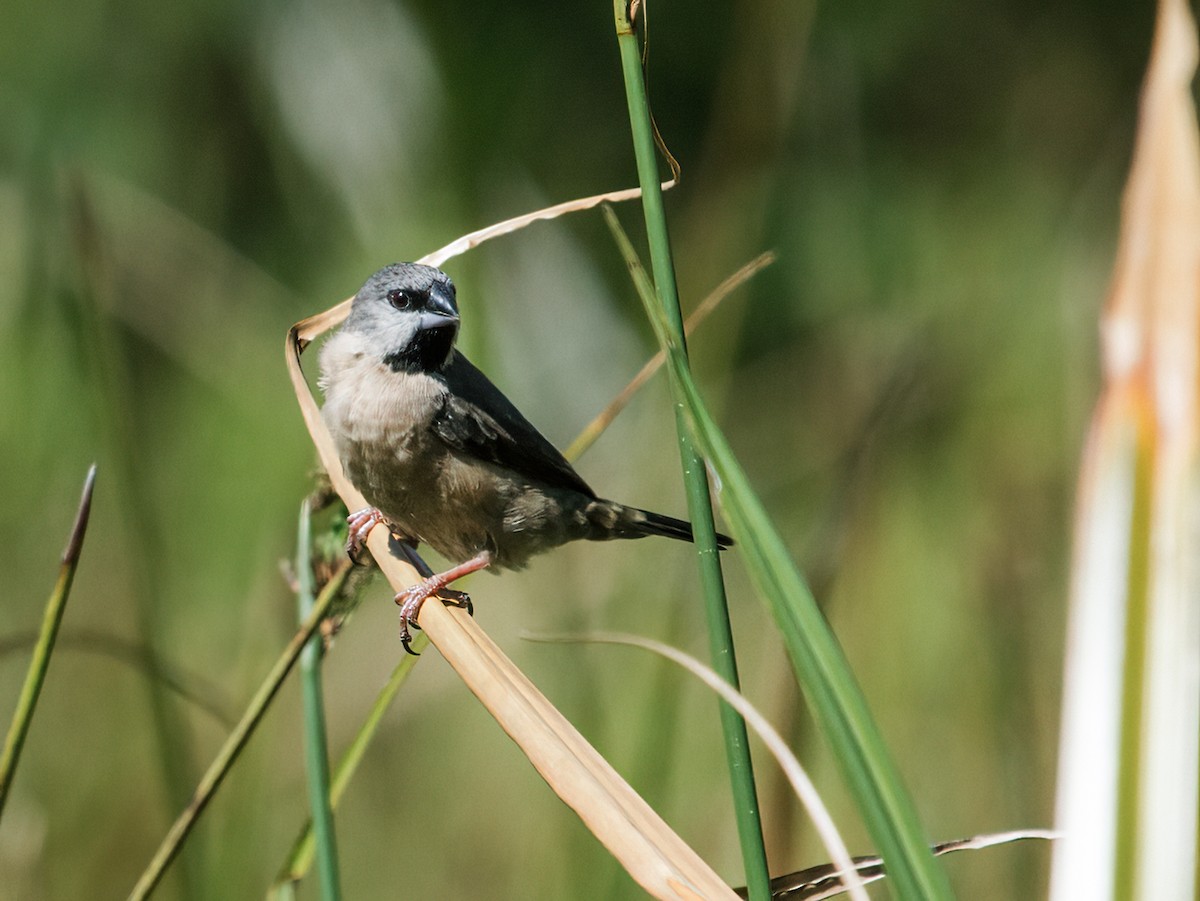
column 612, row 520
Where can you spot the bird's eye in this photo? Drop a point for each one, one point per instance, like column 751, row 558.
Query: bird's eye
column 402, row 299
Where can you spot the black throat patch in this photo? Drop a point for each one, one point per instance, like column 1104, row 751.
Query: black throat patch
column 426, row 352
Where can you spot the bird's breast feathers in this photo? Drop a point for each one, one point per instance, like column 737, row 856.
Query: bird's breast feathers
column 382, row 422
column 379, row 419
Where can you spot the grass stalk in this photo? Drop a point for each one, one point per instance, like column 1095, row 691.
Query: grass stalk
column 35, row 677
column 650, row 851
column 316, row 750
column 594, row 429
column 1129, row 754
column 223, row 762
column 794, row 771
column 304, row 848
column 720, row 631
column 821, row 667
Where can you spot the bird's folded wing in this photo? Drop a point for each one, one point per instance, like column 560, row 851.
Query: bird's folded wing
column 476, row 419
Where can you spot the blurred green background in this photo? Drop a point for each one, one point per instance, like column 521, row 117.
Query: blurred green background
column 908, row 386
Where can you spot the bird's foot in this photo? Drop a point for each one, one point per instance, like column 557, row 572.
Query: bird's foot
column 411, row 599
column 360, row 523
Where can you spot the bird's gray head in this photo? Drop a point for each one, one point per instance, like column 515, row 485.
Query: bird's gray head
column 408, row 314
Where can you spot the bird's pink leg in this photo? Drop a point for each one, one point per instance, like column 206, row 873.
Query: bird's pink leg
column 411, row 599
column 361, row 522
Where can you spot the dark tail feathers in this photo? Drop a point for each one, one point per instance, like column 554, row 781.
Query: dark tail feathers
column 657, row 524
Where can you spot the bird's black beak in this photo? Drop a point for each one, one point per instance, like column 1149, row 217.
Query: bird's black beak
column 440, row 311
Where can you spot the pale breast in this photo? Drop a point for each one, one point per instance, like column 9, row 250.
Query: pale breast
column 381, row 423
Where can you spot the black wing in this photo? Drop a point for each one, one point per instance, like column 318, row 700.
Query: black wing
column 478, row 420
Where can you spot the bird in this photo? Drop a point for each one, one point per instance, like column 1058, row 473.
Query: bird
column 440, row 454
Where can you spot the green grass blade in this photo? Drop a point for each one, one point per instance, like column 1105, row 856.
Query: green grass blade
column 824, row 674
column 720, row 632
column 300, row 858
column 35, row 677
column 315, row 744
column 227, row 756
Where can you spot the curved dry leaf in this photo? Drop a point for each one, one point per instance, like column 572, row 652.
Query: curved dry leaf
column 654, row 855
column 791, row 766
column 1129, row 791
column 825, row 880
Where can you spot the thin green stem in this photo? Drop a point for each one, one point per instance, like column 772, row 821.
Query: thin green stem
column 219, row 768
column 720, row 631
column 822, row 669
column 315, row 745
column 1133, row 701
column 35, row 677
column 300, row 858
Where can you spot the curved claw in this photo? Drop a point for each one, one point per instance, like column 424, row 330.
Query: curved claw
column 410, row 602
column 406, row 641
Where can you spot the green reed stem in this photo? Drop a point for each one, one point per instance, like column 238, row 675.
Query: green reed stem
column 36, row 675
column 219, row 768
column 737, row 749
column 316, row 751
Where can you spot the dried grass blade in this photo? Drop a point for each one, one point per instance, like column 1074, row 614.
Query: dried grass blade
column 653, row 854
column 508, row 226
column 594, row 429
column 802, row 785
column 1129, row 784
column 825, row 880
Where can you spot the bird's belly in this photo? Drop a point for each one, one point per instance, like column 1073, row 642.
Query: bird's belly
column 461, row 508
column 457, row 505
column 396, row 477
